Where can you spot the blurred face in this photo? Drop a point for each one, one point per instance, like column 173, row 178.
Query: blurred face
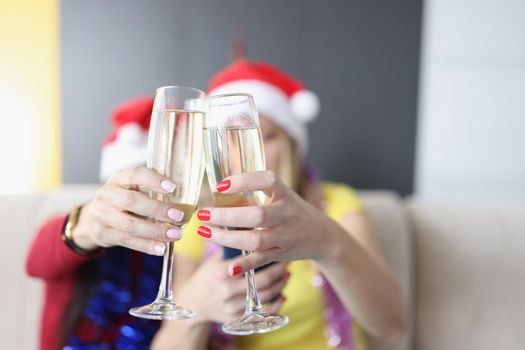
column 275, row 141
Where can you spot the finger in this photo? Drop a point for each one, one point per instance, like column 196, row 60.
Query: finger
column 273, row 291
column 253, row 261
column 239, row 239
column 136, row 226
column 254, row 216
column 266, row 181
column 139, row 204
column 112, row 237
column 271, row 275
column 234, row 288
column 143, row 179
column 276, row 305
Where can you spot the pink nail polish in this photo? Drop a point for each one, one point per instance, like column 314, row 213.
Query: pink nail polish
column 175, row 214
column 167, row 185
column 174, row 233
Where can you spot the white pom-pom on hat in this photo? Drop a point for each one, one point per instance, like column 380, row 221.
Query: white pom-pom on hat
column 305, row 105
column 132, row 134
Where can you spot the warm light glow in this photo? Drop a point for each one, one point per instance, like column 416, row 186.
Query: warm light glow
column 29, row 95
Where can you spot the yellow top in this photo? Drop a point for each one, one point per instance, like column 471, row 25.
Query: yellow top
column 304, row 303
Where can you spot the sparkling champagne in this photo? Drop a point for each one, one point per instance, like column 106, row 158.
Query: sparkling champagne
column 230, row 151
column 178, row 155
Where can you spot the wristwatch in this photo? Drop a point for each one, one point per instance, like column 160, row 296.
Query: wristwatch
column 68, row 229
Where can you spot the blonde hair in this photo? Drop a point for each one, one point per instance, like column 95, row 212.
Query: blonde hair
column 290, row 166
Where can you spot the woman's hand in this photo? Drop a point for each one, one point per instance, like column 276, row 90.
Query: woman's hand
column 289, row 227
column 216, row 297
column 113, row 217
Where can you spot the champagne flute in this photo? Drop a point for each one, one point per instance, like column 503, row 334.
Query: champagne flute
column 233, row 145
column 175, row 150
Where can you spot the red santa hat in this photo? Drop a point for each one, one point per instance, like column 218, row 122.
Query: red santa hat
column 278, row 95
column 127, row 145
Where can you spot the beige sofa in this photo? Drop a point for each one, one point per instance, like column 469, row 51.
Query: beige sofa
column 461, row 264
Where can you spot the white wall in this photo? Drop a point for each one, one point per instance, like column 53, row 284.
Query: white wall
column 471, row 132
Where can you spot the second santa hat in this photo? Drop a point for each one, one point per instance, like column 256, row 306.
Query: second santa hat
column 277, row 95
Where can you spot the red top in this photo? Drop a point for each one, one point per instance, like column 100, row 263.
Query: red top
column 50, row 259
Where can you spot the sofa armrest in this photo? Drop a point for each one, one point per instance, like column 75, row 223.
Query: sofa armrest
column 393, row 234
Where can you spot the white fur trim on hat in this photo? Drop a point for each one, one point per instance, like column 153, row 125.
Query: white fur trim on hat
column 272, row 102
column 128, row 150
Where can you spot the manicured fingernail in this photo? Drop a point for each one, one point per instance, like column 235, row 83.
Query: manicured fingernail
column 167, row 185
column 204, row 215
column 223, row 185
column 175, row 214
column 159, row 248
column 204, row 231
column 236, row 270
column 174, row 233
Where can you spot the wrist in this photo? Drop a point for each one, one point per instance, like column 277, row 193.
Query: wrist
column 82, row 231
column 180, row 335
column 331, row 248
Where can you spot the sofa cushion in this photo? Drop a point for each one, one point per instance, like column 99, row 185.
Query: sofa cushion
column 470, row 274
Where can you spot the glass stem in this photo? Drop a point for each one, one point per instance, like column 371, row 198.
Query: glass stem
column 253, row 304
column 166, row 288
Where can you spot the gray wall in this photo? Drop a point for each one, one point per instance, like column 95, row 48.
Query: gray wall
column 362, row 59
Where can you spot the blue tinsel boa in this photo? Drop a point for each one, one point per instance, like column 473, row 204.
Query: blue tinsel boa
column 116, row 291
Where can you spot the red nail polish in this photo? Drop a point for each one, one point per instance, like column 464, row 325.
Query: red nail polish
column 204, row 215
column 223, row 185
column 236, row 270
column 204, row 231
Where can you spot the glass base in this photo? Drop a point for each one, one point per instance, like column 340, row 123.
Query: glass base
column 255, row 323
column 162, row 310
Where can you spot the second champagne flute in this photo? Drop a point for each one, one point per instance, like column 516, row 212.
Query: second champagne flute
column 175, row 151
column 233, row 145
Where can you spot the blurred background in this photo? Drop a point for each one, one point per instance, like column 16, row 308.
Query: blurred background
column 423, row 98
